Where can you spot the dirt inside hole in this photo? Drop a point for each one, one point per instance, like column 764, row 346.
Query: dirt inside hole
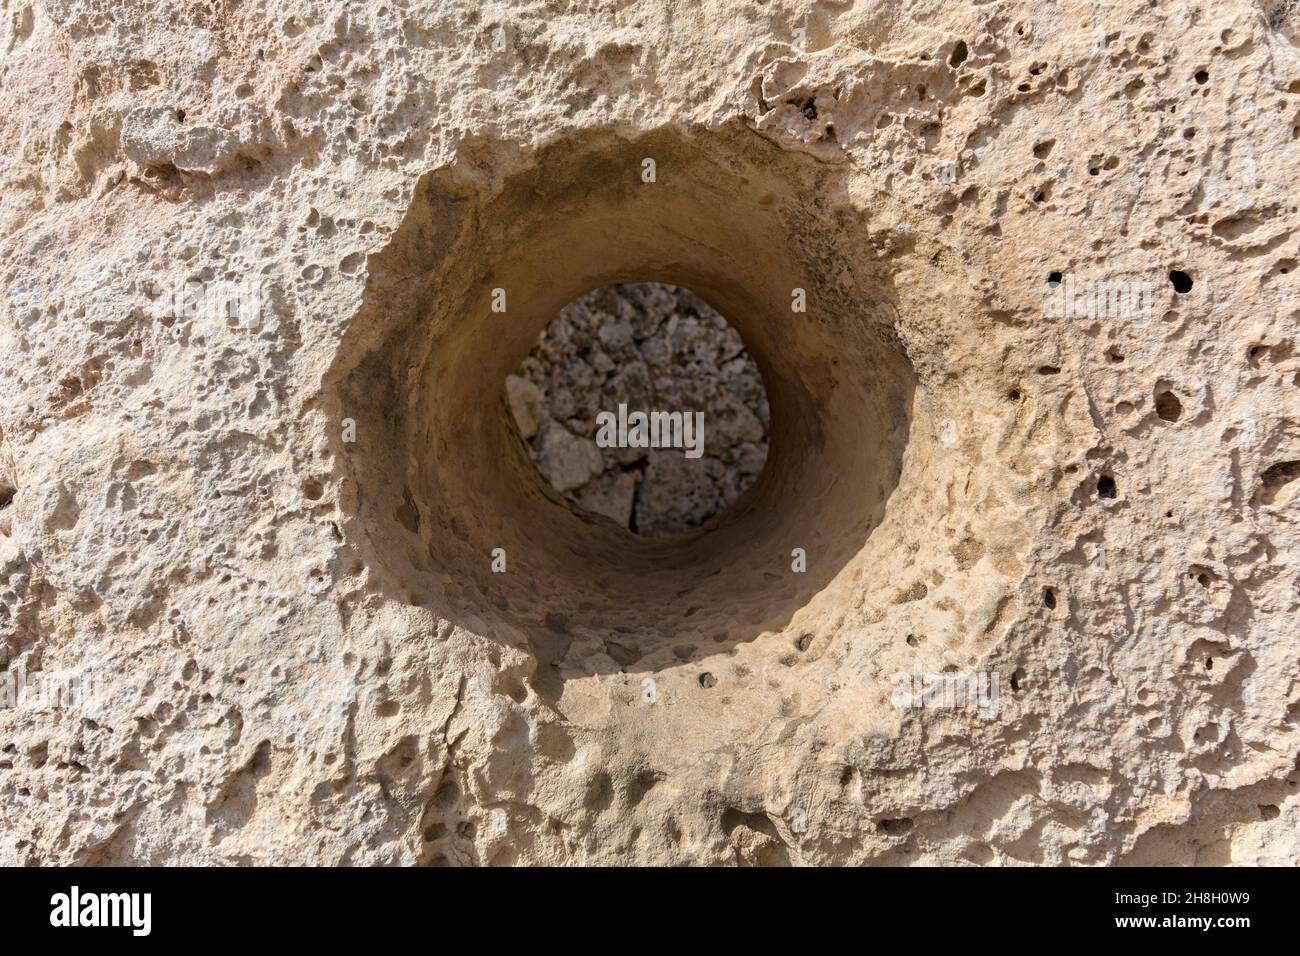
column 449, row 510
column 661, row 360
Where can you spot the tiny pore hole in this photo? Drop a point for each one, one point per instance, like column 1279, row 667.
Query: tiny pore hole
column 1168, row 407
column 1106, row 487
column 1049, row 598
column 896, row 827
column 1181, row 281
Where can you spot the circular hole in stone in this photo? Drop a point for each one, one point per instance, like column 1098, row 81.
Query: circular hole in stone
column 641, row 404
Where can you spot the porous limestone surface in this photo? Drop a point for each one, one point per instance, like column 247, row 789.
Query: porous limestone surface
column 650, row 349
column 280, row 584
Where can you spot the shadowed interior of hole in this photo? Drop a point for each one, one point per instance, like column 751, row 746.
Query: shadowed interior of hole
column 840, row 394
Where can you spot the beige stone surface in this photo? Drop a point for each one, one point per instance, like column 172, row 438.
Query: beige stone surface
column 330, row 613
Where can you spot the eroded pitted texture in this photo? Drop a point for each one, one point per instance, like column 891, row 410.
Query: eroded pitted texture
column 300, row 650
column 649, row 348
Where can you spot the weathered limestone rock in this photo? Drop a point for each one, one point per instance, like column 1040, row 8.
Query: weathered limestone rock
column 564, row 459
column 1018, row 583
